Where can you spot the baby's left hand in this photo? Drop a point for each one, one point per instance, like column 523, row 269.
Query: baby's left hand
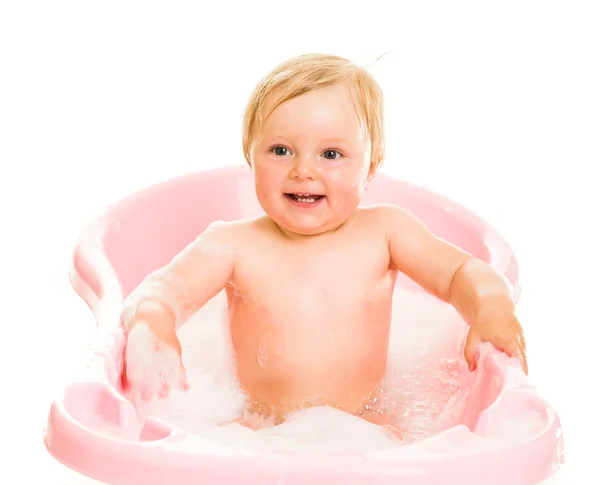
column 501, row 330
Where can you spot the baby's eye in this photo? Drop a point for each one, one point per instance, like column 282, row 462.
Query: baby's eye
column 280, row 151
column 331, row 154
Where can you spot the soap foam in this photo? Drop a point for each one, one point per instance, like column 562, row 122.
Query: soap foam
column 426, row 341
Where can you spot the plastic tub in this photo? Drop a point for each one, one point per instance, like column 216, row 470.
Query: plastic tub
column 145, row 230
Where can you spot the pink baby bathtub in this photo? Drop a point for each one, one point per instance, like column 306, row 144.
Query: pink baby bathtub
column 145, row 231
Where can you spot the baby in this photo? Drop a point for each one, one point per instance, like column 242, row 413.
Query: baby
column 310, row 284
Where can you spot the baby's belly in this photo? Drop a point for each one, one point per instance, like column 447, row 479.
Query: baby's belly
column 287, row 362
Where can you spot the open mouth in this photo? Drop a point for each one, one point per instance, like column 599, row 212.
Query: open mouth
column 305, row 198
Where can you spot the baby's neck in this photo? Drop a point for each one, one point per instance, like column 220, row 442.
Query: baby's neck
column 310, row 236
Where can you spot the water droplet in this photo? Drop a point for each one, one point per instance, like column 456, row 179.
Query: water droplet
column 261, row 356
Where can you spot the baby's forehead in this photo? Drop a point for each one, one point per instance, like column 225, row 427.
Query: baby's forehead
column 307, row 132
column 330, row 113
column 342, row 93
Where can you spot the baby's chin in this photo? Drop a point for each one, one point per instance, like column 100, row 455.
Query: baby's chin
column 299, row 230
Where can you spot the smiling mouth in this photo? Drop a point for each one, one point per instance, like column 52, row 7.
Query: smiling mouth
column 305, row 198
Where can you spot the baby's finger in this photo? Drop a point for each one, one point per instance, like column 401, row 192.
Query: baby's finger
column 139, row 384
column 522, row 340
column 146, row 394
column 183, row 380
column 163, row 392
column 514, row 349
column 525, row 366
column 124, row 381
column 522, row 343
column 523, row 358
column 472, row 350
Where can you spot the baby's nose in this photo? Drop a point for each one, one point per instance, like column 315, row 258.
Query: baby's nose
column 304, row 168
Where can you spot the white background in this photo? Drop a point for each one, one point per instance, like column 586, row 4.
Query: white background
column 495, row 104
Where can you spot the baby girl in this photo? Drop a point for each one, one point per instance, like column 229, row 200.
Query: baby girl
column 310, row 284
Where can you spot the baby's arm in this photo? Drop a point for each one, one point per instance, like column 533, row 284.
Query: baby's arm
column 479, row 293
column 171, row 294
column 165, row 299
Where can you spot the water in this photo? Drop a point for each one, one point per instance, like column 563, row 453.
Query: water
column 427, row 388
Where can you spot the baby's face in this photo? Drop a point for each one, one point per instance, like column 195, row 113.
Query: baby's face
column 311, row 161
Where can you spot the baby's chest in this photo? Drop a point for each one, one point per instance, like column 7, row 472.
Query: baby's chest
column 335, row 282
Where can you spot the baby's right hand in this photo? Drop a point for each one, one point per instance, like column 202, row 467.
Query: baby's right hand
column 152, row 363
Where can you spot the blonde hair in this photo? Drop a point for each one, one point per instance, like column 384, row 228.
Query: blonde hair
column 310, row 72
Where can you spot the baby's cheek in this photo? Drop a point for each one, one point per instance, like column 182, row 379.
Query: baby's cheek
column 351, row 179
column 350, row 193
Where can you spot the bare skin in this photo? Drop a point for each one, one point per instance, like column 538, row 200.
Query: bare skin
column 313, row 330
column 310, row 285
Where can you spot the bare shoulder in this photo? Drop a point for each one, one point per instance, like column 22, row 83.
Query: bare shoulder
column 218, row 231
column 234, row 233
column 219, row 236
column 387, row 217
